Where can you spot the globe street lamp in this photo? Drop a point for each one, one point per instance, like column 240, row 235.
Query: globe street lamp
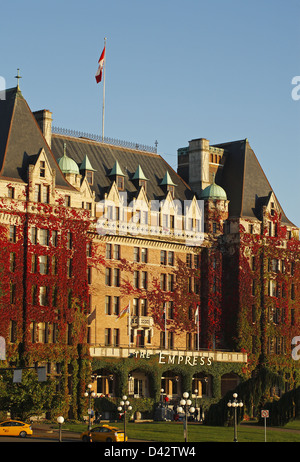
column 89, row 393
column 124, row 405
column 235, row 404
column 186, row 407
column 60, row 421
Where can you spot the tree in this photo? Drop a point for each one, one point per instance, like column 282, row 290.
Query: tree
column 28, row 398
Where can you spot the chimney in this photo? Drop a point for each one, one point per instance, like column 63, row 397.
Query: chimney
column 44, row 120
column 198, row 164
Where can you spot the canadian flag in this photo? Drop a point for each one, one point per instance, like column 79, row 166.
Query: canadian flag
column 98, row 75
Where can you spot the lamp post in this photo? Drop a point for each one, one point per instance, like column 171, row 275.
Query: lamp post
column 186, row 407
column 124, row 405
column 89, row 393
column 60, row 421
column 235, row 404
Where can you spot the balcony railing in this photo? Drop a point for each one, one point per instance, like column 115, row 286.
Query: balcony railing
column 106, row 140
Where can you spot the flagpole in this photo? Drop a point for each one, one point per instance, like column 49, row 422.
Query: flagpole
column 129, row 321
column 103, row 99
column 165, row 311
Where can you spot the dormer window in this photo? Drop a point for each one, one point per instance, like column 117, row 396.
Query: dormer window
column 168, row 184
column 42, row 169
column 87, row 170
column 118, row 176
column 90, row 177
column 139, row 178
column 171, row 188
column 120, row 183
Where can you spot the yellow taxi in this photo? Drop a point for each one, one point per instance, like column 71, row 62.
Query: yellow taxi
column 105, row 433
column 15, row 428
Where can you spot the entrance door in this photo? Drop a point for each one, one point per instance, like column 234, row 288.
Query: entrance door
column 140, row 338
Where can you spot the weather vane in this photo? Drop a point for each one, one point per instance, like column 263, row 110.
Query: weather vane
column 18, row 77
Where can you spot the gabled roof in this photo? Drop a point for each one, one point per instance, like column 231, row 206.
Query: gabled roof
column 244, row 181
column 21, row 140
column 105, row 157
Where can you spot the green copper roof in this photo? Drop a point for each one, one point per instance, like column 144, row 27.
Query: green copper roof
column 116, row 170
column 67, row 165
column 167, row 180
column 86, row 165
column 139, row 174
column 213, row 191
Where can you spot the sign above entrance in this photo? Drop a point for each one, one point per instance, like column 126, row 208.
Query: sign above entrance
column 177, row 359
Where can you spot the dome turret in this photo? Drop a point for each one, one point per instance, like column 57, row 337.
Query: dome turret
column 214, row 191
column 67, row 165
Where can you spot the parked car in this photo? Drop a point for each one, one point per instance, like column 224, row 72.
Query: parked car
column 105, row 433
column 15, row 428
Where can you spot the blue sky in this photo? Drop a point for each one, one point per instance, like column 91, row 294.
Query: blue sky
column 175, row 71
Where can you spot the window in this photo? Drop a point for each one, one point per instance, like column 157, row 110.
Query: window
column 143, row 307
column 12, row 293
column 171, row 258
column 144, row 255
column 54, row 296
column 34, row 295
column 12, row 233
column 10, row 192
column 116, row 252
column 89, row 274
column 108, row 252
column 42, row 169
column 293, row 291
column 136, row 254
column 136, row 279
column 88, row 249
column 33, row 235
column 170, row 282
column 67, row 201
column 108, row 276
column 163, row 257
column 116, row 337
column 120, row 183
column 69, row 269
column 43, row 296
column 54, row 265
column 107, row 337
column 69, row 241
column 107, row 304
column 12, row 261
column 89, row 176
column 135, row 310
column 45, row 194
column 116, row 277
column 163, row 281
column 189, row 260
column 54, row 238
column 43, row 260
column 37, row 193
column 272, row 288
column 144, row 280
column 116, row 306
column 44, row 237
